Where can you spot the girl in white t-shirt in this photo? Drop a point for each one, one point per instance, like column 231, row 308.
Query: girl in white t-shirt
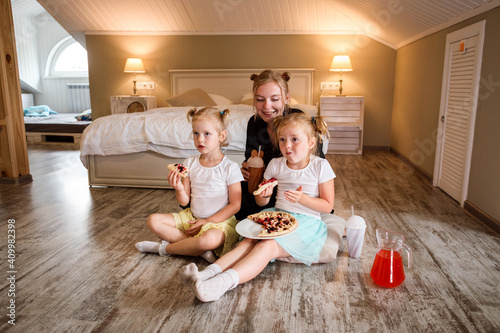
column 305, row 189
column 213, row 191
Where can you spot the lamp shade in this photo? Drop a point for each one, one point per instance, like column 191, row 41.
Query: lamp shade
column 341, row 63
column 134, row 65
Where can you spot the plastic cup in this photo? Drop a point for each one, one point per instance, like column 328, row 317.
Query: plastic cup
column 355, row 233
column 256, row 169
column 355, row 240
column 255, row 178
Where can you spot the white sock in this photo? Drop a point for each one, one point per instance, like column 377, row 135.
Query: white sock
column 189, row 274
column 162, row 250
column 147, row 246
column 212, row 289
column 209, row 256
column 209, row 272
column 153, row 247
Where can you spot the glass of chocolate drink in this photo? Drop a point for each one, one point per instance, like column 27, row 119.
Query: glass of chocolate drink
column 256, row 169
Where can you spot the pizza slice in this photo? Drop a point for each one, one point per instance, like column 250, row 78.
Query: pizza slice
column 275, row 223
column 181, row 169
column 260, row 217
column 265, row 184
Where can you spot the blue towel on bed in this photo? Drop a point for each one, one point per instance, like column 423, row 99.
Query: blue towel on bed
column 38, row 111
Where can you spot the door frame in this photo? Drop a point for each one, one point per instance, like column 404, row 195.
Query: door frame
column 464, row 33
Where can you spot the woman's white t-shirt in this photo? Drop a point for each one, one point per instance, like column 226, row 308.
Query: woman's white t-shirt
column 316, row 172
column 209, row 192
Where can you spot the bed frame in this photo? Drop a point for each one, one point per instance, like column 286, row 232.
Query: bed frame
column 149, row 169
column 60, row 125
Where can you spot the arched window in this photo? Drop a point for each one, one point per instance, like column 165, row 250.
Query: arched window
column 67, row 59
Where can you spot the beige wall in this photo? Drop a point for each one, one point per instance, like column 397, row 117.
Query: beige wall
column 409, row 80
column 417, row 95
column 373, row 62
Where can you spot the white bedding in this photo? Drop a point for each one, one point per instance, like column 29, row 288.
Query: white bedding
column 162, row 130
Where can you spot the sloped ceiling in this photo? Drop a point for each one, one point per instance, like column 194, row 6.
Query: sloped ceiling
column 392, row 22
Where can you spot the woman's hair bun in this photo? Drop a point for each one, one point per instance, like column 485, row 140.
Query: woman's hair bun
column 254, row 76
column 286, row 76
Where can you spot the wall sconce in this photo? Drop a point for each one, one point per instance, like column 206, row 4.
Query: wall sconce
column 341, row 63
column 134, row 65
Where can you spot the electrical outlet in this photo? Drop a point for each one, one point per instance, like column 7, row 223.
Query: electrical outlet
column 145, row 85
column 329, row 86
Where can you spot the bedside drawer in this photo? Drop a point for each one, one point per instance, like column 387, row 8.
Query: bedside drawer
column 345, row 139
column 344, row 118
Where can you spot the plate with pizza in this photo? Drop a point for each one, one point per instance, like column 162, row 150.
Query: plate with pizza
column 267, row 225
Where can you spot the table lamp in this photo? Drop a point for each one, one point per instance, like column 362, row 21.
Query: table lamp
column 341, row 63
column 134, row 65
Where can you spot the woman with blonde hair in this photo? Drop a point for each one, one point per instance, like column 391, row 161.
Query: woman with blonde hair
column 271, row 98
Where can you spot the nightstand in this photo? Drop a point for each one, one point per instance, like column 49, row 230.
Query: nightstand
column 344, row 117
column 130, row 104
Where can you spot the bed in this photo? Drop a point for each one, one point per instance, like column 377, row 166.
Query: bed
column 133, row 150
column 58, row 127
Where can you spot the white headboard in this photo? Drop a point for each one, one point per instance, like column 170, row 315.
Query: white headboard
column 234, row 83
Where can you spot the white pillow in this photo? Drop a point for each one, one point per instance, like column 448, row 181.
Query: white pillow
column 247, row 96
column 311, row 110
column 220, row 100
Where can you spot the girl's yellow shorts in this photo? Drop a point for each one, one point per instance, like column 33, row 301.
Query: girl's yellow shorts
column 227, row 227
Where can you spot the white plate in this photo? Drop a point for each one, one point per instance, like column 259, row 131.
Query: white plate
column 250, row 229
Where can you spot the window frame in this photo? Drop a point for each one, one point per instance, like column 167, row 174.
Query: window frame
column 53, row 57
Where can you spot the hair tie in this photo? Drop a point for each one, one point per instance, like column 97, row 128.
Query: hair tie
column 222, row 112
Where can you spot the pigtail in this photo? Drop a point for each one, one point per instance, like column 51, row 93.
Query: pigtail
column 191, row 114
column 254, row 76
column 321, row 128
column 224, row 115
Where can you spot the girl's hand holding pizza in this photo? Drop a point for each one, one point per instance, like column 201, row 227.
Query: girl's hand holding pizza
column 267, row 192
column 175, row 180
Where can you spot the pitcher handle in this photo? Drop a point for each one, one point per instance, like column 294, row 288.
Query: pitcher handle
column 410, row 255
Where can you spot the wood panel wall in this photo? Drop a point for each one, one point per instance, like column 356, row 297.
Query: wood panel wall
column 26, row 33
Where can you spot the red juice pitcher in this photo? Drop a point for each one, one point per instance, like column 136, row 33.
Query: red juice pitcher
column 387, row 270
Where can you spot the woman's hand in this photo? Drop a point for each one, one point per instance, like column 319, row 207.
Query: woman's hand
column 244, row 171
column 294, row 196
column 196, row 227
column 175, row 180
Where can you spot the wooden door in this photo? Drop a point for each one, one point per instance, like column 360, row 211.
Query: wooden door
column 459, row 95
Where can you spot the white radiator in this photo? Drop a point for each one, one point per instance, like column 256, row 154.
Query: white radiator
column 78, row 97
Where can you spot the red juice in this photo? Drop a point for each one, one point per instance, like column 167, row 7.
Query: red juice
column 387, row 270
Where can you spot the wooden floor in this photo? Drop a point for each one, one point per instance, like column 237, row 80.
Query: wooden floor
column 77, row 269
